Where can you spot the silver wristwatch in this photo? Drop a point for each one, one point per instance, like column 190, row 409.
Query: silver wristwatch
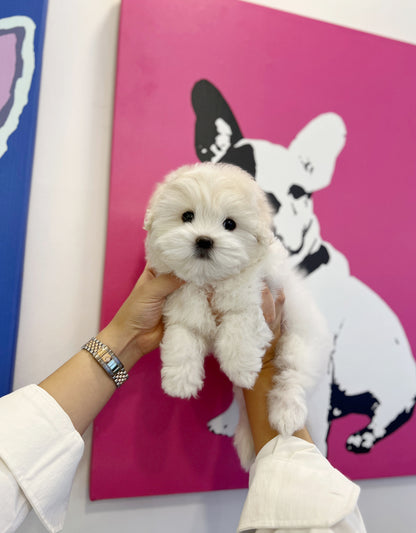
column 107, row 359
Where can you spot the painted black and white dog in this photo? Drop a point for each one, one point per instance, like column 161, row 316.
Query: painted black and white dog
column 372, row 371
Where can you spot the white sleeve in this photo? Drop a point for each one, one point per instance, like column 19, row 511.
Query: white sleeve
column 292, row 486
column 39, row 453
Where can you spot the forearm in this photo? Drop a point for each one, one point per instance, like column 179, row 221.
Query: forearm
column 81, row 386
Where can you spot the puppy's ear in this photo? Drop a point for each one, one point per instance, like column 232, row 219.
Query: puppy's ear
column 216, row 130
column 148, row 220
column 264, row 232
column 149, row 215
column 265, row 235
column 157, row 193
column 317, row 147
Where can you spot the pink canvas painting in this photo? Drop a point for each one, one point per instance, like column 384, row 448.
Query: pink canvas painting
column 324, row 119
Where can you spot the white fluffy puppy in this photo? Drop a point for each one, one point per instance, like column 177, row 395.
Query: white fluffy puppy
column 210, row 225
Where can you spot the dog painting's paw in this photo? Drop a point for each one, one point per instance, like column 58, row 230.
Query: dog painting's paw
column 226, row 422
column 361, row 442
column 287, row 413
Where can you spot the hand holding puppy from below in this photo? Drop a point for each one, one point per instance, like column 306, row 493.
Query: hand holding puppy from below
column 137, row 328
column 256, row 398
column 80, row 386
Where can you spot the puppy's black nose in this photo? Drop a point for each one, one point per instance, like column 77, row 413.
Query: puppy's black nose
column 204, row 243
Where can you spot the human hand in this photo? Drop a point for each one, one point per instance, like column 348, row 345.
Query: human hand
column 137, row 328
column 273, row 314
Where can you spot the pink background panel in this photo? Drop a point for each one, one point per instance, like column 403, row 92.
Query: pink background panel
column 277, row 71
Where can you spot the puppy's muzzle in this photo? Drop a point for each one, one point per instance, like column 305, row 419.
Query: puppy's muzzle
column 203, row 246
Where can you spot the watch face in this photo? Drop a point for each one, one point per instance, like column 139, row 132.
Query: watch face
column 106, row 358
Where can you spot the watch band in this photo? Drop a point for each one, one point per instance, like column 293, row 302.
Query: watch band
column 107, row 359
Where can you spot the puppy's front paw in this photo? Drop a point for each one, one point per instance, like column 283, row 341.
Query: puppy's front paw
column 243, row 378
column 180, row 384
column 239, row 347
column 182, row 353
column 240, row 362
column 287, row 413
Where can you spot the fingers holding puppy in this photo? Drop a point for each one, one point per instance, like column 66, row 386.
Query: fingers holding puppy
column 273, row 314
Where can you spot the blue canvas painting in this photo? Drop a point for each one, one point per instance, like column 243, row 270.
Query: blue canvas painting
column 22, row 28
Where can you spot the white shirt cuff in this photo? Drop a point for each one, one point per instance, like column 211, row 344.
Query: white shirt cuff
column 42, row 450
column 293, row 486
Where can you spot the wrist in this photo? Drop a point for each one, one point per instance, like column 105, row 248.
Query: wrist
column 122, row 343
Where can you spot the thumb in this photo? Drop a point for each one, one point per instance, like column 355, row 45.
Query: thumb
column 164, row 285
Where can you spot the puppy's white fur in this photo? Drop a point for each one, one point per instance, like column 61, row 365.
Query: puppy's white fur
column 219, row 310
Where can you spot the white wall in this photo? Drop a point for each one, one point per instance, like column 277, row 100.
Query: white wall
column 66, row 244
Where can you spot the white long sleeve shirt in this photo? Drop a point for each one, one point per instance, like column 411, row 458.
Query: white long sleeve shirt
column 293, row 488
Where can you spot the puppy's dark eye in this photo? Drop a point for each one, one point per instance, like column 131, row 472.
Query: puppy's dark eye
column 229, row 224
column 188, row 216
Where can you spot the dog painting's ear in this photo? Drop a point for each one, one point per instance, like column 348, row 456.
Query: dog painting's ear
column 317, row 147
column 217, row 131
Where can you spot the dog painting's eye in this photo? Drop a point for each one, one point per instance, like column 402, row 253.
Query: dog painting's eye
column 297, row 191
column 229, row 224
column 188, row 216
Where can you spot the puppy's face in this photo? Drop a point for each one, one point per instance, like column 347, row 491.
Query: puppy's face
column 206, row 223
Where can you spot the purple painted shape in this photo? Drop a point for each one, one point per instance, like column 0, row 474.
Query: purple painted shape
column 8, row 66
